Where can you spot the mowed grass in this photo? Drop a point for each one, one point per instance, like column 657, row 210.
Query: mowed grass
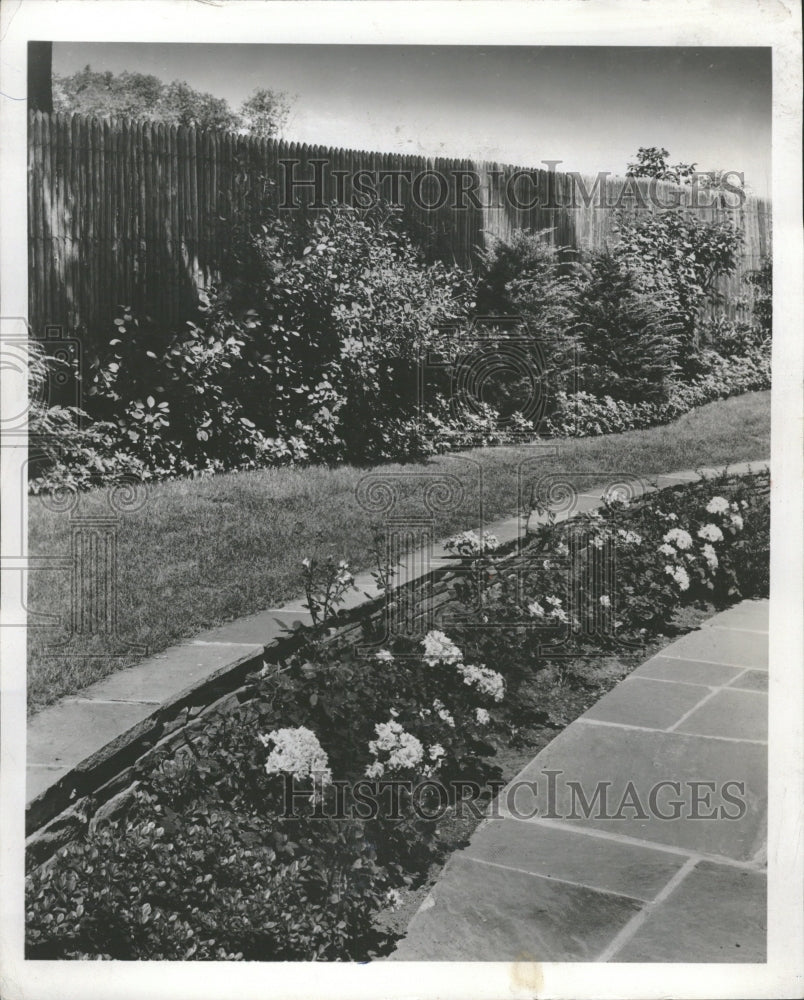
column 202, row 552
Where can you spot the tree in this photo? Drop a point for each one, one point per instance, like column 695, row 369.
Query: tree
column 265, row 113
column 652, row 162
column 146, row 97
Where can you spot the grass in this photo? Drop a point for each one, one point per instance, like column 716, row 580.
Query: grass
column 202, row 552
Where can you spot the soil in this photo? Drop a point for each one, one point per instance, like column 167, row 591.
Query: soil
column 565, row 694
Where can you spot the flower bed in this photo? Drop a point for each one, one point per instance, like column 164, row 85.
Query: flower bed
column 277, row 834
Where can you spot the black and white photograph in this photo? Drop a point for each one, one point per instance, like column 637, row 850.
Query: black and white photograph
column 402, row 493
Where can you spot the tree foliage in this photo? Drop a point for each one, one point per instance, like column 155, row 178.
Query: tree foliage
column 144, row 96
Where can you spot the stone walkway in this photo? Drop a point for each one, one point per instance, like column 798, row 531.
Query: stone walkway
column 555, row 876
column 72, row 730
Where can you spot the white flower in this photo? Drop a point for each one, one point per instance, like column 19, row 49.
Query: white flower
column 710, row 533
column 437, row 752
column 306, row 563
column 710, row 556
column 438, row 648
column 384, row 656
column 403, row 749
column 597, row 541
column 535, row 609
column 560, row 615
column 667, row 550
column 486, row 681
column 297, row 752
column 555, row 601
column 680, row 575
column 441, row 710
column 629, row 537
column 737, row 521
column 605, row 601
column 671, row 517
column 469, row 543
column 680, row 538
column 393, row 899
column 375, row 770
column 482, row 716
column 717, row 505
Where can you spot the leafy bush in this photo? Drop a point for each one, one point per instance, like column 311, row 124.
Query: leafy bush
column 682, row 256
column 583, row 414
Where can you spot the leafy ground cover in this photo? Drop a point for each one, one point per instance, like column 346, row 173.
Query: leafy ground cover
column 201, row 552
column 214, row 860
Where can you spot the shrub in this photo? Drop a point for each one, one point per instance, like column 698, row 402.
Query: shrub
column 682, row 256
column 628, row 339
column 583, row 414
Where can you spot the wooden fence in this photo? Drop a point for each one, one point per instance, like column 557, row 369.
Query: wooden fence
column 141, row 214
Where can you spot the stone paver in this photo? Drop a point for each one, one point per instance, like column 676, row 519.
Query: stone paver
column 63, row 735
column 751, row 680
column 732, row 714
column 695, row 672
column 645, row 702
column 653, row 806
column 717, row 914
column 735, row 648
column 482, row 913
column 599, row 863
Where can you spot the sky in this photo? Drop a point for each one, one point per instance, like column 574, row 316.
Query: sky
column 589, row 107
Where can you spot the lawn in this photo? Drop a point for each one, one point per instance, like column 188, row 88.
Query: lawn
column 202, row 552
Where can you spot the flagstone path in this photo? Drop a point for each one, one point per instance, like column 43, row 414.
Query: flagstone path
column 556, row 877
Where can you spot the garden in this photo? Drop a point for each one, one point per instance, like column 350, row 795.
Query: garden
column 301, row 824
column 307, row 822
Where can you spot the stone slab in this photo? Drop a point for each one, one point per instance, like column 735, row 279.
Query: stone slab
column 162, row 677
column 751, row 680
column 750, row 615
column 38, row 779
column 71, row 731
column 733, row 648
column 706, row 675
column 479, row 913
column 732, row 714
column 716, row 914
column 640, row 701
column 594, row 755
column 595, row 862
column 258, row 630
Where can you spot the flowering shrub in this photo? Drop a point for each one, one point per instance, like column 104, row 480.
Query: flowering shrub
column 706, row 541
column 297, row 752
column 469, row 543
column 325, row 586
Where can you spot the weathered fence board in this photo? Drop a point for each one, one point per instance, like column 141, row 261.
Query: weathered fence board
column 141, row 214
